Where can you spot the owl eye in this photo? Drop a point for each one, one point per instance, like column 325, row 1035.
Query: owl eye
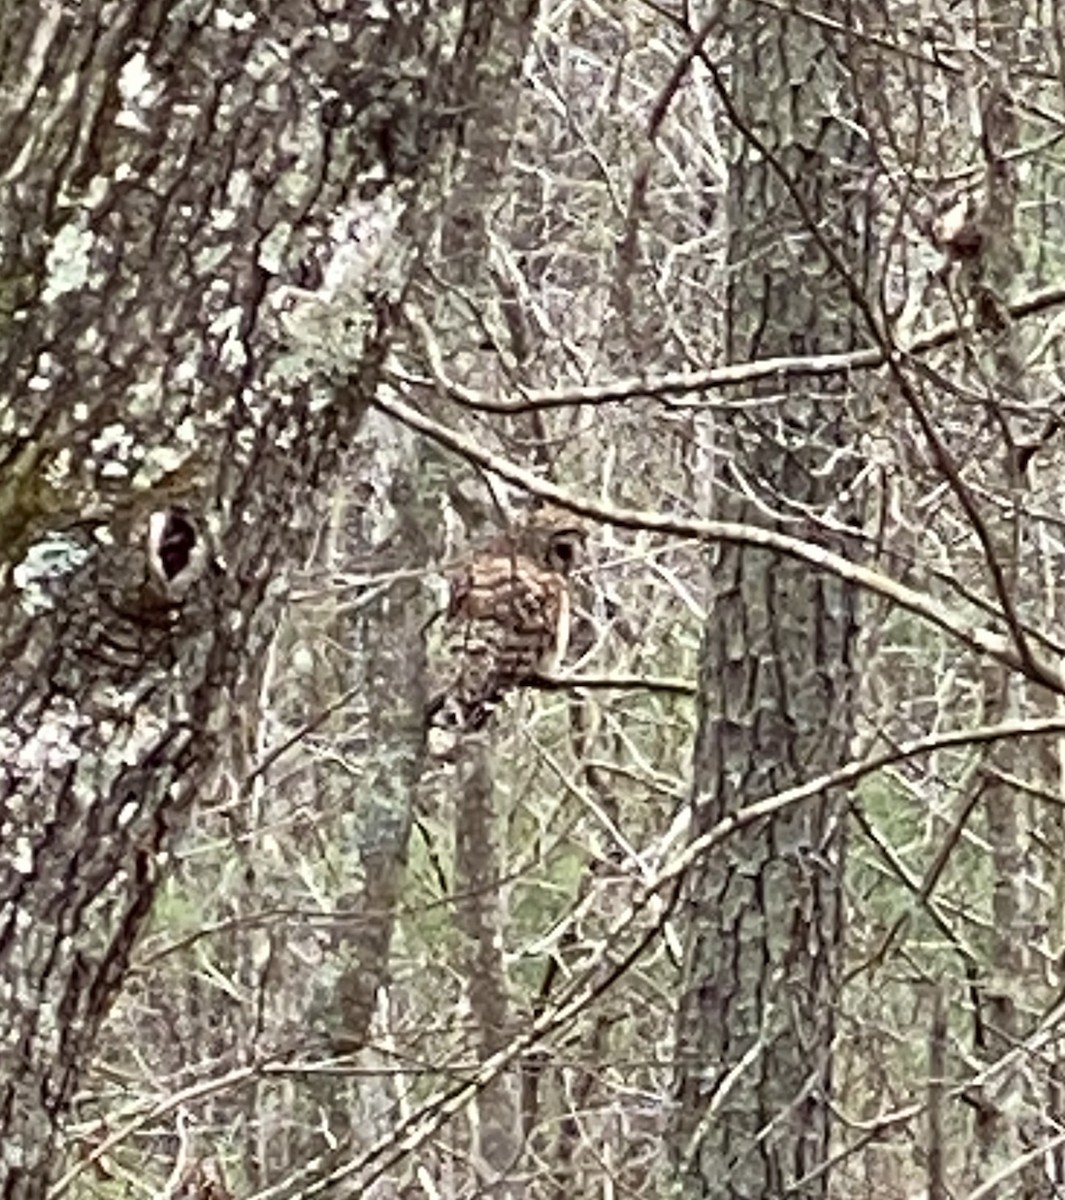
column 564, row 552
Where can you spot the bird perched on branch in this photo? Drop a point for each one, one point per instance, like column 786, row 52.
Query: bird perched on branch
column 509, row 614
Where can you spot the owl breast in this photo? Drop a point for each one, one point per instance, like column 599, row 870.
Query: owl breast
column 509, row 620
column 509, row 614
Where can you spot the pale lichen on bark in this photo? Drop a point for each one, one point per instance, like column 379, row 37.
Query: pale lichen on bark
column 164, row 173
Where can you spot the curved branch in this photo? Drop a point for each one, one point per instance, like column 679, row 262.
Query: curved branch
column 599, row 969
column 1034, row 665
column 679, row 383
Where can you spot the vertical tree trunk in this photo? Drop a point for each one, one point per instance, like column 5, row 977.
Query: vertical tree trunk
column 167, row 176
column 479, row 866
column 764, row 913
column 1008, row 997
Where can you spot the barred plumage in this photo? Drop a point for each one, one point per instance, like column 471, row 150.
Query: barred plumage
column 509, row 613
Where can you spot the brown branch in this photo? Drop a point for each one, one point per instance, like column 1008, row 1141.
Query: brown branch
column 1037, row 667
column 621, row 683
column 679, row 383
column 628, row 243
column 598, row 970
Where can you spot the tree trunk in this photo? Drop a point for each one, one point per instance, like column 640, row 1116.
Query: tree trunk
column 764, row 913
column 479, row 914
column 1011, row 993
column 167, row 179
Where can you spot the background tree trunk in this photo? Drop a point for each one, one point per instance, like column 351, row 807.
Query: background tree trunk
column 764, row 912
column 1010, row 992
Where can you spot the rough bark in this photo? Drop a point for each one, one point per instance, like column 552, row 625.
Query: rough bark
column 384, row 530
column 1006, row 998
column 167, row 172
column 764, row 913
column 479, row 865
column 390, row 631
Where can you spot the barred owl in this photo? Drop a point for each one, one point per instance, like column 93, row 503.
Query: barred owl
column 509, row 612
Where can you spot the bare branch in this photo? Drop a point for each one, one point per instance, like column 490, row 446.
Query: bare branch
column 685, row 383
column 1036, row 666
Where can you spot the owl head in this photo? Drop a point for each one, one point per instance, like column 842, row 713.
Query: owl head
column 554, row 538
